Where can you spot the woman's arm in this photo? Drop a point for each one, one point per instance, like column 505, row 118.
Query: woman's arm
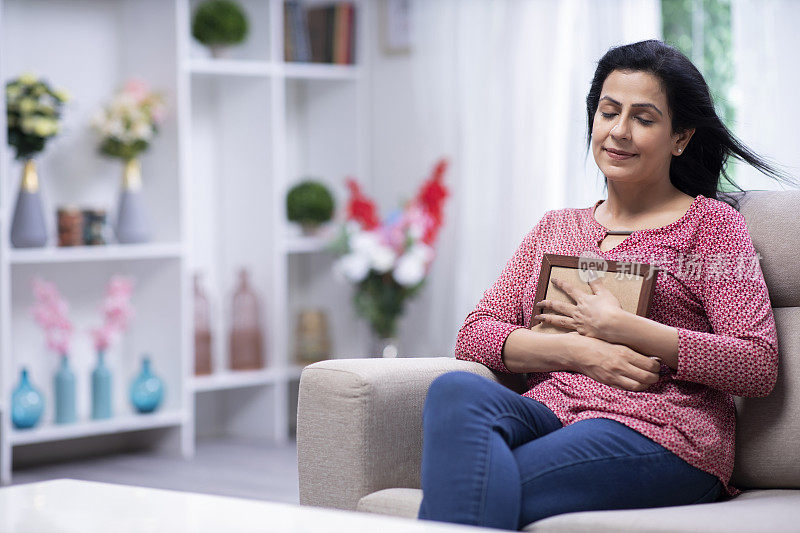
column 494, row 333
column 740, row 356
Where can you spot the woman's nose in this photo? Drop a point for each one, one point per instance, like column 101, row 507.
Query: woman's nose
column 620, row 130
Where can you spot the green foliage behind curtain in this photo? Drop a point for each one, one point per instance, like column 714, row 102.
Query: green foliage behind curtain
column 715, row 50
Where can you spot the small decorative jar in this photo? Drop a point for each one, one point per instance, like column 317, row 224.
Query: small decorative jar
column 94, row 226
column 312, row 337
column 27, row 404
column 70, row 226
column 147, row 390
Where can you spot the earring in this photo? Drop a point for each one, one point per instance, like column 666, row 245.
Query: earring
column 679, row 150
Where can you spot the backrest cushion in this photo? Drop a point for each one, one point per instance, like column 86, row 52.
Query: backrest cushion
column 768, row 429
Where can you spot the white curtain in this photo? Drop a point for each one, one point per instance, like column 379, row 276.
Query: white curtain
column 501, row 90
column 765, row 44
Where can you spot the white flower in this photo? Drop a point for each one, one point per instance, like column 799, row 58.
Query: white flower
column 410, row 270
column 355, row 267
column 382, row 258
column 364, row 242
column 422, row 251
column 142, row 130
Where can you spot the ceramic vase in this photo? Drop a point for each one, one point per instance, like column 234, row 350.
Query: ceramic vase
column 27, row 403
column 28, row 229
column 101, row 389
column 65, row 393
column 132, row 224
column 147, row 390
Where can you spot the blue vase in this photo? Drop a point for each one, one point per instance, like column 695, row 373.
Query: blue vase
column 147, row 390
column 28, row 228
column 65, row 393
column 27, row 403
column 101, row 389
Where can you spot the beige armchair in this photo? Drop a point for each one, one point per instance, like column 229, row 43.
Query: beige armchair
column 359, row 421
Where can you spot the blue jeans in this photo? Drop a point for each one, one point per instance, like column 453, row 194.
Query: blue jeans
column 494, row 458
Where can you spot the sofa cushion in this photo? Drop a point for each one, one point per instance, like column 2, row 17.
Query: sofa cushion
column 755, row 510
column 767, row 455
column 771, row 218
column 395, row 502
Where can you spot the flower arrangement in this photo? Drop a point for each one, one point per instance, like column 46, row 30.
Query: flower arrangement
column 130, row 121
column 50, row 312
column 33, row 110
column 389, row 261
column 117, row 312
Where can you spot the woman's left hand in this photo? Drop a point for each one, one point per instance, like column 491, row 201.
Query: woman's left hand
column 591, row 315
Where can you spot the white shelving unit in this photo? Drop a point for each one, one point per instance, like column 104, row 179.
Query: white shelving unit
column 240, row 132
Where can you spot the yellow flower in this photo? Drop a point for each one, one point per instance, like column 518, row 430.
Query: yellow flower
column 27, row 105
column 28, row 78
column 62, row 95
column 13, row 91
column 45, row 127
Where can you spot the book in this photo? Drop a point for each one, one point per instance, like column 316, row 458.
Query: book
column 631, row 282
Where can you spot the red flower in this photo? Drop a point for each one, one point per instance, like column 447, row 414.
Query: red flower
column 431, row 198
column 360, row 208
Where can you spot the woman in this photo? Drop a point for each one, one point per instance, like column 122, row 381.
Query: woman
column 604, row 424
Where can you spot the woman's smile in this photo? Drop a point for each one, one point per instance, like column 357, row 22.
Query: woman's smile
column 618, row 155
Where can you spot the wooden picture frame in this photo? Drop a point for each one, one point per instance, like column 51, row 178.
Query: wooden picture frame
column 631, row 282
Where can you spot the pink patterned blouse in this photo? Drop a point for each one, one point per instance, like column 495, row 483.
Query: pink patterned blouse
column 710, row 287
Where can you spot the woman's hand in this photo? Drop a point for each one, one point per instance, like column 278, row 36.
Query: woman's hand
column 615, row 365
column 592, row 315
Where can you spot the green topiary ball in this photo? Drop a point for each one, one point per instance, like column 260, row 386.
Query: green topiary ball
column 309, row 202
column 219, row 22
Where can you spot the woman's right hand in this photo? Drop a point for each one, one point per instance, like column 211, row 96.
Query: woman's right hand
column 615, row 365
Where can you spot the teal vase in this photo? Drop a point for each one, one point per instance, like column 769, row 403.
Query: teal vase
column 65, row 393
column 147, row 390
column 26, row 403
column 101, row 389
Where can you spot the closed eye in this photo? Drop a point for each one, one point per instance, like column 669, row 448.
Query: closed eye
column 640, row 119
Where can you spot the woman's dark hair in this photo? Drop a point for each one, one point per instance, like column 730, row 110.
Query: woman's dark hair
column 702, row 166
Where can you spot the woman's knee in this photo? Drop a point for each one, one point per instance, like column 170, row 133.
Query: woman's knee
column 453, row 391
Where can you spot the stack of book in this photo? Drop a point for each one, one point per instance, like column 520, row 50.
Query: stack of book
column 319, row 34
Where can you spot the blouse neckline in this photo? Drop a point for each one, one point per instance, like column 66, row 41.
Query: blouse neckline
column 601, row 231
column 672, row 224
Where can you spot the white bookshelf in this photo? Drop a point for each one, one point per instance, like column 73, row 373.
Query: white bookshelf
column 240, row 131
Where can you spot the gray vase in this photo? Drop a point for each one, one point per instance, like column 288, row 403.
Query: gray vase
column 132, row 224
column 28, row 228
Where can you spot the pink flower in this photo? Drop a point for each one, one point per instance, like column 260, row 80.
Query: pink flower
column 50, row 312
column 137, row 89
column 117, row 312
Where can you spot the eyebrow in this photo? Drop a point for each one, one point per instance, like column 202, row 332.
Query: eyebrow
column 633, row 105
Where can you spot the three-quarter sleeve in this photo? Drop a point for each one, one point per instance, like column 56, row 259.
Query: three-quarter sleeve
column 740, row 355
column 499, row 311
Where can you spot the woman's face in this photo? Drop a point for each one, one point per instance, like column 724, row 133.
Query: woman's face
column 632, row 117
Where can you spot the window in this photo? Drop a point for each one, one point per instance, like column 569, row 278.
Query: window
column 701, row 29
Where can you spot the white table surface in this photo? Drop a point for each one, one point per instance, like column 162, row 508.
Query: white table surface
column 68, row 505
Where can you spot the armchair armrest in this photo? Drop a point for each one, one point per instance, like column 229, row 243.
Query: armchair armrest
column 359, row 424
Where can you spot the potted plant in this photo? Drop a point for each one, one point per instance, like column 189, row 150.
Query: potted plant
column 33, row 110
column 389, row 261
column 219, row 24
column 127, row 125
column 310, row 204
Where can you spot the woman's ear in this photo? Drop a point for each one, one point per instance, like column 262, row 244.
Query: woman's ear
column 680, row 141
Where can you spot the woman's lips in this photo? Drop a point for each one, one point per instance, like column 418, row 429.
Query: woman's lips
column 617, row 157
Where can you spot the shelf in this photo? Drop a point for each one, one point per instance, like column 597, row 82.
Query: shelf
column 230, row 67
column 321, row 71
column 107, row 252
column 249, row 67
column 90, row 428
column 230, row 379
column 304, row 245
